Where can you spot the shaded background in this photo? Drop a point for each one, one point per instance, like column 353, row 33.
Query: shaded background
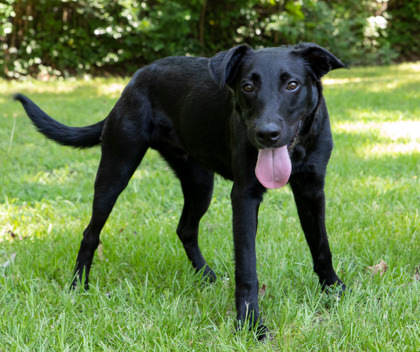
column 62, row 38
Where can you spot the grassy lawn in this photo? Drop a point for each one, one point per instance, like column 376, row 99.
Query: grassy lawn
column 144, row 295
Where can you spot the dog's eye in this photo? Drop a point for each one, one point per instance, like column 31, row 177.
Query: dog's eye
column 248, row 87
column 293, row 85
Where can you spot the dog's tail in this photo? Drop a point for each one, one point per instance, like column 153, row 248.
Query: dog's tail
column 78, row 137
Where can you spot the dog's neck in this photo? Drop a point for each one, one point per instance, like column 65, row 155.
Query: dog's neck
column 305, row 124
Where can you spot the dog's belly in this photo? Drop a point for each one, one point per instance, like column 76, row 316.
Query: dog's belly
column 196, row 138
column 217, row 165
column 210, row 146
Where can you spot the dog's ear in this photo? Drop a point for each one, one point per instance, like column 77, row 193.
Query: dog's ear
column 319, row 59
column 224, row 66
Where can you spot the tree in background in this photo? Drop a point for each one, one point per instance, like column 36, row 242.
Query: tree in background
column 67, row 37
column 404, row 28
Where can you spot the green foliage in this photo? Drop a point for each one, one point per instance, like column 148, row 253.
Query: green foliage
column 63, row 37
column 347, row 30
column 67, row 37
column 405, row 28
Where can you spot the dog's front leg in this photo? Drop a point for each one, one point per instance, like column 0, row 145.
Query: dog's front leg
column 245, row 204
column 308, row 191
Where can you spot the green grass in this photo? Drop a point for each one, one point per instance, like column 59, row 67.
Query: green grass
column 144, row 294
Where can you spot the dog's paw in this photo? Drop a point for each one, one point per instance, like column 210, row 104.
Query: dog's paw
column 77, row 286
column 207, row 274
column 333, row 285
column 262, row 333
column 337, row 288
column 259, row 330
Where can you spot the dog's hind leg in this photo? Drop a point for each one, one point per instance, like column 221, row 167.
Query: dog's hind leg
column 308, row 191
column 197, row 187
column 122, row 152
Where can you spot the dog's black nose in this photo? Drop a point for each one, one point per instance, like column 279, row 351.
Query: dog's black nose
column 268, row 134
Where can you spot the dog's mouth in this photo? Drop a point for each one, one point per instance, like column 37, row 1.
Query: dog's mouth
column 274, row 166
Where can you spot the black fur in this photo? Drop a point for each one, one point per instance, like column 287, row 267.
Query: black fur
column 197, row 114
column 80, row 137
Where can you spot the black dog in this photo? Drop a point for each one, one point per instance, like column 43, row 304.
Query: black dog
column 255, row 117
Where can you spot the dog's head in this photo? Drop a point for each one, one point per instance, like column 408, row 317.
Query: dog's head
column 274, row 90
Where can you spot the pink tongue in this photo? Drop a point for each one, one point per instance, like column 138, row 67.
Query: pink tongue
column 273, row 167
